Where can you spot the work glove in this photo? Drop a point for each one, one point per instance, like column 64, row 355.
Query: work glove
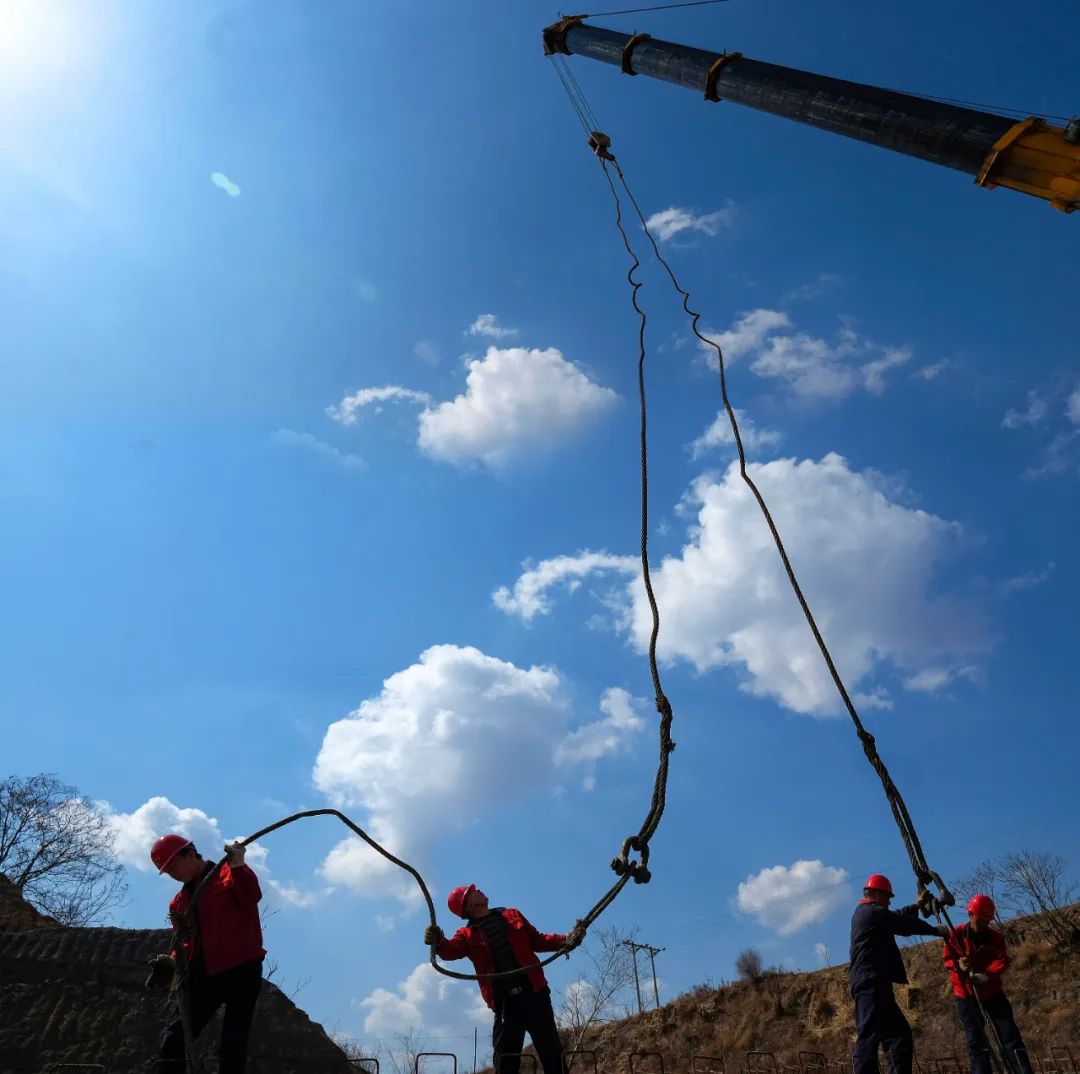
column 575, row 938
column 964, row 964
column 926, row 902
column 433, row 935
column 943, row 931
column 980, row 978
column 162, row 969
column 234, row 854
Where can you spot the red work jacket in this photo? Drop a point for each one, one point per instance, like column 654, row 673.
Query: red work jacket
column 991, row 958
column 524, row 941
column 227, row 917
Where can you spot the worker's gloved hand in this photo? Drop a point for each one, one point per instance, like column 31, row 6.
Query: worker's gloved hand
column 980, row 978
column 234, row 854
column 964, row 964
column 162, row 968
column 925, row 902
column 433, row 935
column 575, row 938
column 943, row 931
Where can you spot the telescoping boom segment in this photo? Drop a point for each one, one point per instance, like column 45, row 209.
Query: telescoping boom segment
column 1032, row 156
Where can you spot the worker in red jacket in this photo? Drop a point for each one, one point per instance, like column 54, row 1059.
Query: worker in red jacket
column 498, row 940
column 221, row 937
column 976, row 957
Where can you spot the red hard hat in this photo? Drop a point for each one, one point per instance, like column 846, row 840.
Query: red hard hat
column 877, row 882
column 982, row 906
column 457, row 897
column 166, row 848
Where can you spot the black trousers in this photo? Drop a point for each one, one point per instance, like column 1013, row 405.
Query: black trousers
column 1001, row 1014
column 879, row 1021
column 237, row 990
column 527, row 1012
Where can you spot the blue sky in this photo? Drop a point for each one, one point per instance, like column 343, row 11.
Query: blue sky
column 318, row 466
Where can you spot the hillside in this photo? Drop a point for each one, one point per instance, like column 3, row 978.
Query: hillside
column 75, row 996
column 812, row 1012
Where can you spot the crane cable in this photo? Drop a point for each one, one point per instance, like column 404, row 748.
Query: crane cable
column 924, row 875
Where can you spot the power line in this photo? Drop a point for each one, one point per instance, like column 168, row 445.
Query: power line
column 659, row 7
column 1001, row 110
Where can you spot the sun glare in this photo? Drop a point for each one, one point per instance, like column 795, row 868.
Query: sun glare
column 43, row 45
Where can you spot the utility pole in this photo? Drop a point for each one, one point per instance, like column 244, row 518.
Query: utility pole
column 653, row 952
column 637, row 983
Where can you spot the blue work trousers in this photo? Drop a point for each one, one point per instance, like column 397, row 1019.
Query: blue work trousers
column 999, row 1011
column 879, row 1022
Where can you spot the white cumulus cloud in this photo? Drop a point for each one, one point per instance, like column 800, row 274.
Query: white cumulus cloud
column 788, row 898
column 1027, row 580
column 516, row 401
column 719, row 434
column 219, row 179
column 427, row 755
column 1072, row 406
column 869, row 566
column 811, row 367
column 1031, row 415
column 348, row 410
column 487, row 324
column 134, row 833
column 667, row 224
column 826, row 281
column 427, row 351
column 307, row 442
column 933, row 371
column 530, row 594
column 604, row 737
column 424, row 1001
column 930, row 680
column 747, row 334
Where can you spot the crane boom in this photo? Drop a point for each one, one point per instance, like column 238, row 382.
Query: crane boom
column 1032, row 156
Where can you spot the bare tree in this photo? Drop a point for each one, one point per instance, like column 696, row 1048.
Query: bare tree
column 407, row 1046
column 749, row 965
column 600, row 994
column 362, row 1060
column 57, row 849
column 1032, row 884
column 984, row 879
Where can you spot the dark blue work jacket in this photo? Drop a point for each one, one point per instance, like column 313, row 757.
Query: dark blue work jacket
column 875, row 958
